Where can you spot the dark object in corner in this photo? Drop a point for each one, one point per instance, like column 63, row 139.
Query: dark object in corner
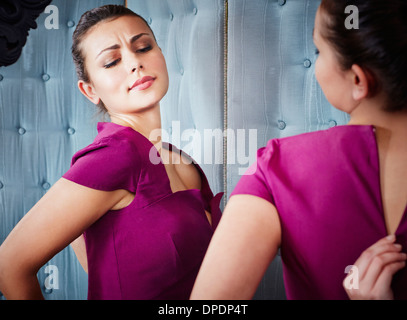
column 17, row 17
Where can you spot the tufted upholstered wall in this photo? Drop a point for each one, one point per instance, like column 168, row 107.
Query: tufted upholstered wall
column 43, row 121
column 191, row 35
column 271, row 87
column 241, row 73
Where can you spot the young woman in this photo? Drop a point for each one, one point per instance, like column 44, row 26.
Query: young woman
column 146, row 225
column 334, row 198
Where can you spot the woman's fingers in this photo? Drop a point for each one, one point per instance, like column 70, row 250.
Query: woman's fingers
column 385, row 278
column 384, row 245
column 379, row 263
column 375, row 269
column 379, row 289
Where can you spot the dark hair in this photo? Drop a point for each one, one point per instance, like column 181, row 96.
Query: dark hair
column 88, row 20
column 379, row 46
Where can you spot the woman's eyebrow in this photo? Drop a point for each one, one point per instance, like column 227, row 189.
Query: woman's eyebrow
column 136, row 37
column 113, row 47
column 116, row 46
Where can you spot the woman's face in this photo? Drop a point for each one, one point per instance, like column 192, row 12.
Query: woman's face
column 335, row 82
column 127, row 69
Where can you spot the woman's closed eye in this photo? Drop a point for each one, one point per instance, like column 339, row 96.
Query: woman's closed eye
column 116, row 61
column 111, row 64
column 144, row 49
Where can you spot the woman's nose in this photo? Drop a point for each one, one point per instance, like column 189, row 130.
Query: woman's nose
column 135, row 68
column 132, row 62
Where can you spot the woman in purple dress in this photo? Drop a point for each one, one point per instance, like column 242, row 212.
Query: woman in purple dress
column 333, row 201
column 146, row 224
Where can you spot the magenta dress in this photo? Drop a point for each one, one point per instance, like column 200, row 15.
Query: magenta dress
column 326, row 188
column 153, row 248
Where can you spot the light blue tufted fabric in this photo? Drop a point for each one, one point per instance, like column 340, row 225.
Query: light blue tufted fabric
column 190, row 33
column 271, row 86
column 234, row 66
column 271, row 74
column 43, row 120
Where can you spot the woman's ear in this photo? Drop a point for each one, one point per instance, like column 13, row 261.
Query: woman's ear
column 361, row 85
column 88, row 91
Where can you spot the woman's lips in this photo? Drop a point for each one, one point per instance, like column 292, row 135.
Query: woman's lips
column 143, row 83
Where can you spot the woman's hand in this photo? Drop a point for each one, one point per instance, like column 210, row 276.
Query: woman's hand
column 375, row 269
column 60, row 217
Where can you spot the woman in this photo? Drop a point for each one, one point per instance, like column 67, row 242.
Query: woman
column 145, row 225
column 334, row 198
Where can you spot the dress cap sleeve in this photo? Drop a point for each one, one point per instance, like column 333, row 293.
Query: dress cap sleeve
column 108, row 165
column 255, row 180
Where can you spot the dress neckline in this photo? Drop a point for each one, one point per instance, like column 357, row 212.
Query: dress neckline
column 377, row 159
column 372, row 130
column 205, row 188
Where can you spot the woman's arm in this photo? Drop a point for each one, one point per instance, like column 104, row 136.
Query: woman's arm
column 245, row 242
column 60, row 217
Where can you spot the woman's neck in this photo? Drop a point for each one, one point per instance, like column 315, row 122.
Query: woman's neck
column 147, row 123
column 372, row 112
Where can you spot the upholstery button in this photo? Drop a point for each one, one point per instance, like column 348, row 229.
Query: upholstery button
column 281, row 124
column 307, row 63
column 150, row 21
column 171, row 17
column 1, row 187
column 21, row 131
column 1, row 77
column 46, row 77
column 71, row 131
column 70, row 24
column 181, row 71
column 195, row 11
column 332, row 123
column 281, row 2
column 46, row 186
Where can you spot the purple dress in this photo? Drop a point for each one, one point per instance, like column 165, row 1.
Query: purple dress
column 153, row 248
column 326, row 188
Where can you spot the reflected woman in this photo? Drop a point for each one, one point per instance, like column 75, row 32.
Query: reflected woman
column 145, row 227
column 333, row 198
